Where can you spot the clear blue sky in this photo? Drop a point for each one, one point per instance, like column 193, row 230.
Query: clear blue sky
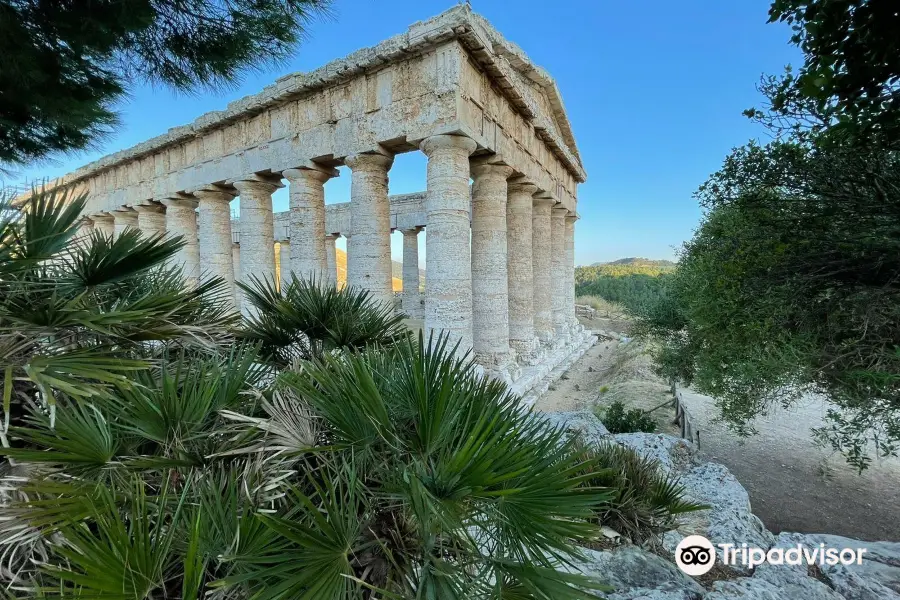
column 654, row 90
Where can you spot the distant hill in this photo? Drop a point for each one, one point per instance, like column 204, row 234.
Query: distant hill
column 396, row 271
column 639, row 262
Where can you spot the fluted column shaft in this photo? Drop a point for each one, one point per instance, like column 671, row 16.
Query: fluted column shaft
column 542, row 252
column 181, row 220
column 369, row 247
column 490, row 297
column 151, row 219
column 520, row 269
column 236, row 263
column 558, row 268
column 448, row 294
column 411, row 303
column 123, row 219
column 257, row 230
column 214, row 217
column 330, row 278
column 570, row 269
column 284, row 265
column 103, row 223
column 307, row 222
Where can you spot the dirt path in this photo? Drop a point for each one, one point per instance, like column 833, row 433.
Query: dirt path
column 797, row 486
column 793, row 485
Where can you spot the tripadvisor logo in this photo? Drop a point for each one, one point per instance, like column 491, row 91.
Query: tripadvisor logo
column 696, row 555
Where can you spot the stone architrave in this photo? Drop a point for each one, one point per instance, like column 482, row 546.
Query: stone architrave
column 123, row 219
column 541, row 247
column 181, row 220
column 369, row 249
column 520, row 267
column 490, row 297
column 558, row 270
column 257, row 230
column 151, row 219
column 214, row 218
column 411, row 300
column 448, row 301
column 307, row 221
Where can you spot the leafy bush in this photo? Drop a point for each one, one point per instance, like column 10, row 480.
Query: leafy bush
column 162, row 460
column 645, row 500
column 619, row 420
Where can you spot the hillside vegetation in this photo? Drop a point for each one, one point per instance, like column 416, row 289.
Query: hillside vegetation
column 635, row 283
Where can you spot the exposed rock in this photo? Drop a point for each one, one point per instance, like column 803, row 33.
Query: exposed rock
column 638, row 575
column 878, row 577
column 673, row 453
column 730, row 520
column 582, row 422
column 754, row 588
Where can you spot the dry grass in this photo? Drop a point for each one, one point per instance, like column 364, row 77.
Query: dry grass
column 604, row 308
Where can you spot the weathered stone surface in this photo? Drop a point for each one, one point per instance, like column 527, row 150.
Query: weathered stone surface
column 558, row 265
column 520, row 271
column 214, row 226
column 181, row 220
column 673, row 453
column 542, row 252
column 448, row 303
column 760, row 588
column 369, row 248
column 307, row 221
column 411, row 303
column 582, row 423
column 634, row 573
column 729, row 520
column 490, row 298
column 257, row 231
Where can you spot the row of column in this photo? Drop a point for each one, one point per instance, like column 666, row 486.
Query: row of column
column 500, row 278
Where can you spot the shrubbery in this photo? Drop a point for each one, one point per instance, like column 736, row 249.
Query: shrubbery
column 618, row 420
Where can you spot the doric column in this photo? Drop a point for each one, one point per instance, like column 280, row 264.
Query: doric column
column 123, row 219
column 284, row 264
column 411, row 301
column 307, row 221
column 330, row 261
column 369, row 248
column 181, row 220
column 490, row 298
column 103, row 223
column 257, row 229
column 448, row 293
column 236, row 262
column 520, row 269
column 542, row 252
column 558, row 268
column 214, row 217
column 570, row 269
column 151, row 219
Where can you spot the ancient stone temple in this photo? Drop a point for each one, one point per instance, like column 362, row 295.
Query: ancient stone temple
column 498, row 214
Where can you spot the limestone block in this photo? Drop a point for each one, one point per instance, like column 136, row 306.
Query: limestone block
column 307, row 221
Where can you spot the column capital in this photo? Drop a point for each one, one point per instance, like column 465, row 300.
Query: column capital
column 571, row 217
column 332, row 236
column 486, row 169
column 151, row 207
column 257, row 183
column 560, row 211
column 437, row 142
column 214, row 192
column 521, row 185
column 412, row 231
column 369, row 161
column 180, row 201
column 125, row 210
column 543, row 202
column 310, row 170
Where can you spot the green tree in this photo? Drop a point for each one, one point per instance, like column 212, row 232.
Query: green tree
column 65, row 64
column 851, row 69
column 792, row 282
